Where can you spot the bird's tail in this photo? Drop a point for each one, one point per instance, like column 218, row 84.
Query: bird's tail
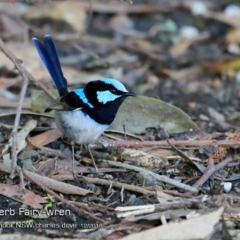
column 48, row 54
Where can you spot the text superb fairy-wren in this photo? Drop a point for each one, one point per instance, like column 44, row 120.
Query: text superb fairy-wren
column 83, row 114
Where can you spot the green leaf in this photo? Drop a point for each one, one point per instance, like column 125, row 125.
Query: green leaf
column 139, row 113
column 40, row 100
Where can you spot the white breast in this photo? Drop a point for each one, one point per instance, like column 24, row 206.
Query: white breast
column 79, row 127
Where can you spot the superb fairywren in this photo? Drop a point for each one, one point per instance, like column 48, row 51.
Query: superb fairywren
column 84, row 113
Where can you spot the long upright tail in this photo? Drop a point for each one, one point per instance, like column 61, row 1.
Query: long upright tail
column 48, row 54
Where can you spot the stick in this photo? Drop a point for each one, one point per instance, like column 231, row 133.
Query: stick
column 161, row 178
column 211, row 170
column 114, row 184
column 26, row 77
column 138, row 144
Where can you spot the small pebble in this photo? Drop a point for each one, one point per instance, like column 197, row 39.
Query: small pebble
column 188, row 32
column 230, row 224
column 227, row 186
column 198, row 8
column 233, row 48
column 232, row 11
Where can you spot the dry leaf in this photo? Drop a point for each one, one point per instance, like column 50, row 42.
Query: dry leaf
column 68, row 12
column 185, row 74
column 218, row 117
column 233, row 36
column 230, row 20
column 32, row 62
column 47, row 168
column 44, row 138
column 191, row 229
column 180, row 48
column 161, row 152
column 164, row 197
column 21, row 136
column 29, row 198
column 225, row 66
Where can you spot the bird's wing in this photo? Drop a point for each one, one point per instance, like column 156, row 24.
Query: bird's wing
column 70, row 102
column 56, row 104
column 74, row 100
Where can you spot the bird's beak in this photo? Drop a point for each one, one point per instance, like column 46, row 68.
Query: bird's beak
column 130, row 94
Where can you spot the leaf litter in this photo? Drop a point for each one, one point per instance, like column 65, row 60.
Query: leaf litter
column 169, row 162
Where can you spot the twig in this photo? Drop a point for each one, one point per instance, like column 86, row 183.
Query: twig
column 121, row 8
column 161, row 178
column 138, row 144
column 211, row 170
column 15, row 60
column 40, row 85
column 180, row 153
column 186, row 203
column 191, row 179
column 26, row 77
column 114, row 184
column 170, row 192
column 181, row 204
column 13, row 82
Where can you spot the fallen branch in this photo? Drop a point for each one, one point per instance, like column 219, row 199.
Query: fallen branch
column 161, row 178
column 138, row 144
column 170, row 192
column 105, row 182
column 121, row 8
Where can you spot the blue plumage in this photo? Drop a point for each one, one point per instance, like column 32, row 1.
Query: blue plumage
column 48, row 54
column 118, row 85
column 106, row 96
column 82, row 96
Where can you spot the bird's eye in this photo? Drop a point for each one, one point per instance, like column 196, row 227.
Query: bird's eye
column 113, row 91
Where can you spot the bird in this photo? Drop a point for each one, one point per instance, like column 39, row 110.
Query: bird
column 82, row 114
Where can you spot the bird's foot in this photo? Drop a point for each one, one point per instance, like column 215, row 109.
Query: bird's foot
column 93, row 160
column 76, row 176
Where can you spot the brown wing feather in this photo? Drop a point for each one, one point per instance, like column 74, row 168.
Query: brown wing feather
column 56, row 104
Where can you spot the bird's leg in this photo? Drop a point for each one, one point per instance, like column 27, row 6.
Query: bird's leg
column 74, row 171
column 94, row 164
